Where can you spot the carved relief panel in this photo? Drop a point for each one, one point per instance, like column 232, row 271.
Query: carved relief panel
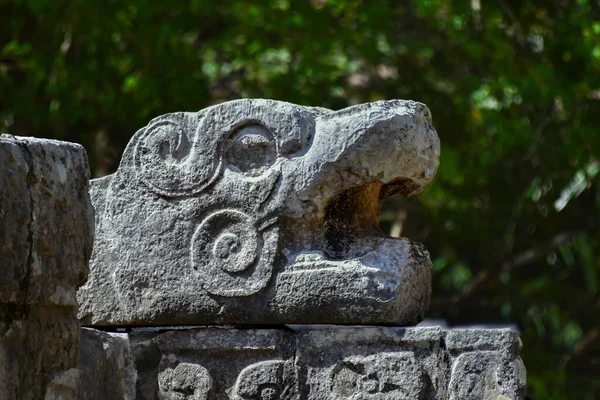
column 330, row 363
column 222, row 363
column 371, row 363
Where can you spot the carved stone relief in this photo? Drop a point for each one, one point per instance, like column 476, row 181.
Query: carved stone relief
column 265, row 205
column 265, row 380
column 184, row 381
column 326, row 363
column 252, row 212
column 485, row 365
column 383, row 376
column 372, row 363
column 219, row 364
column 231, row 255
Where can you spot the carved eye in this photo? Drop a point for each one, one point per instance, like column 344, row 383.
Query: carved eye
column 252, row 150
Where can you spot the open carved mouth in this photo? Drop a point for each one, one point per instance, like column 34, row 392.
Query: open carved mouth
column 351, row 225
column 353, row 255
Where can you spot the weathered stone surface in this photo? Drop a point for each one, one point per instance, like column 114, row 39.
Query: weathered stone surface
column 47, row 221
column 486, row 365
column 63, row 385
column 410, row 363
column 373, row 363
column 46, row 234
column 213, row 363
column 105, row 367
column 331, row 363
column 239, row 364
column 37, row 344
column 262, row 212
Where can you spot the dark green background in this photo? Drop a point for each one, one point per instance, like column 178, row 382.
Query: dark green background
column 512, row 219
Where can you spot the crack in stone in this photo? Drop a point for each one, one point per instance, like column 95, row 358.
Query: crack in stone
column 24, row 283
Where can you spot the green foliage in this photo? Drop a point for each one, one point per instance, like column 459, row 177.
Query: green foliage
column 512, row 220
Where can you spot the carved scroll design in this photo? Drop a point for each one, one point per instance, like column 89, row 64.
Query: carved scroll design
column 185, row 382
column 181, row 154
column 261, row 381
column 231, row 255
column 171, row 162
column 393, row 376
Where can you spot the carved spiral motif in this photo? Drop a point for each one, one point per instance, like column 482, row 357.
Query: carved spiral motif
column 181, row 154
column 231, row 256
column 172, row 163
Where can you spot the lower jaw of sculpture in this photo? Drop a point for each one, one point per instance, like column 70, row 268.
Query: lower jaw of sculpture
column 380, row 280
column 360, row 276
column 388, row 284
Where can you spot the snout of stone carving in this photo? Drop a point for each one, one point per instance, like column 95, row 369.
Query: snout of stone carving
column 258, row 211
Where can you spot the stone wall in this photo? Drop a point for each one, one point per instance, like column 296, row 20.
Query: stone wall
column 46, row 233
column 311, row 363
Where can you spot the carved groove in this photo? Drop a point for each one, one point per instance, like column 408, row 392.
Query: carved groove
column 181, row 154
column 387, row 374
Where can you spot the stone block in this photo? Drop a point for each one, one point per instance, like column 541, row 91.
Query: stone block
column 373, row 362
column 485, row 365
column 238, row 363
column 326, row 363
column 262, row 212
column 105, row 366
column 47, row 224
column 46, row 231
column 410, row 363
column 213, row 363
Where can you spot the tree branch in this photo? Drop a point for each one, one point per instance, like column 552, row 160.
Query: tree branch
column 583, row 347
column 488, row 274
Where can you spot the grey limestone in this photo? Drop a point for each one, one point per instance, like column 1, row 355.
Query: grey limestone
column 411, row 363
column 262, row 212
column 46, row 234
column 326, row 362
column 208, row 363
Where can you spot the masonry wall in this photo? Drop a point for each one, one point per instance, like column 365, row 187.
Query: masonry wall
column 46, row 234
column 316, row 363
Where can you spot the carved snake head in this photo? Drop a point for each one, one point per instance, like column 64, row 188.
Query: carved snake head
column 262, row 203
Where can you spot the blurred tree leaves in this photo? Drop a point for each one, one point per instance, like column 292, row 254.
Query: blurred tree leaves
column 512, row 220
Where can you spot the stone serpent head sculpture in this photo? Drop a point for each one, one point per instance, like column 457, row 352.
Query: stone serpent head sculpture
column 259, row 211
